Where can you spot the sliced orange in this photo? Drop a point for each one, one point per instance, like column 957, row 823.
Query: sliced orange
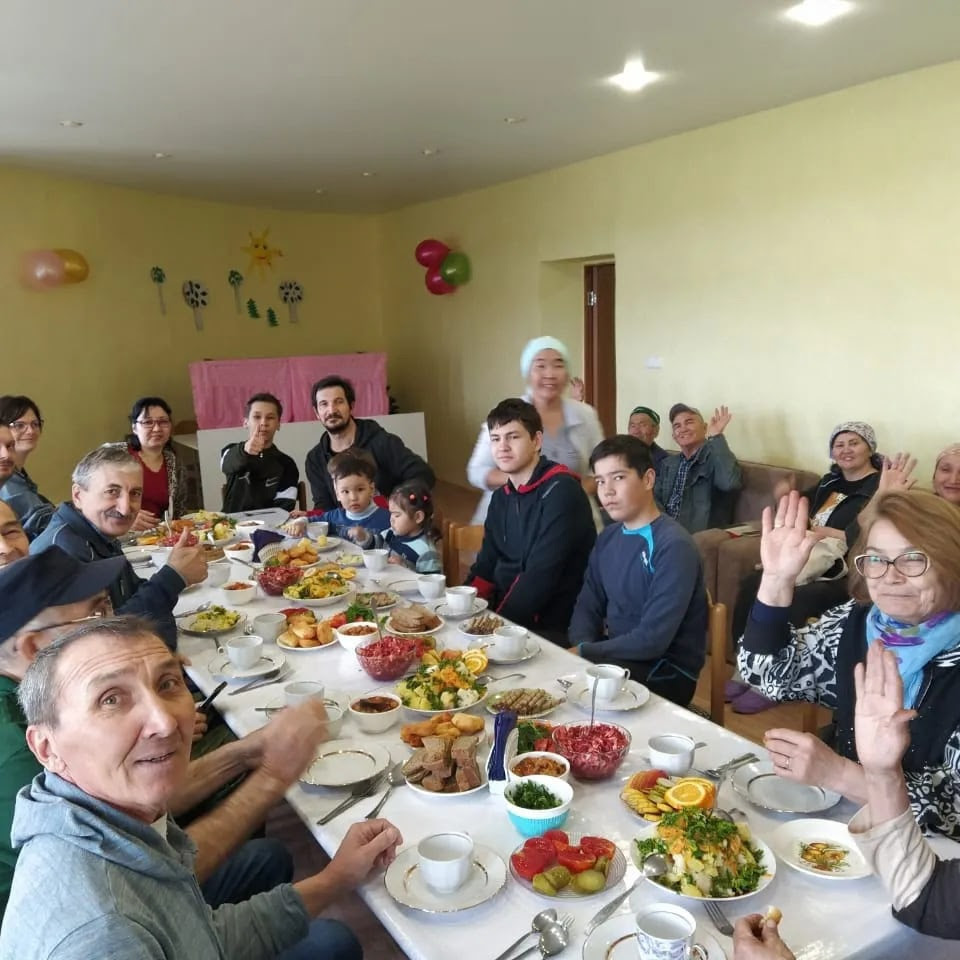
column 689, row 793
column 430, row 658
column 476, row 661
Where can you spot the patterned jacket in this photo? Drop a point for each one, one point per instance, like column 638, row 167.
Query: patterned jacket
column 815, row 663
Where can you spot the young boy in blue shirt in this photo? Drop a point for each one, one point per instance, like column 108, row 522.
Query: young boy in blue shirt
column 643, row 604
column 353, row 473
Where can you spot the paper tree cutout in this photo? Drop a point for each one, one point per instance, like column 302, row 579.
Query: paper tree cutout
column 159, row 277
column 235, row 278
column 197, row 296
column 261, row 253
column 291, row 293
column 252, row 311
column 272, row 320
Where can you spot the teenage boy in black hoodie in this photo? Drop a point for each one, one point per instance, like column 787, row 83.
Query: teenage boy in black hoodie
column 539, row 529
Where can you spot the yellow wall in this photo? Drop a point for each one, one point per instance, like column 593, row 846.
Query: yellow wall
column 798, row 265
column 84, row 352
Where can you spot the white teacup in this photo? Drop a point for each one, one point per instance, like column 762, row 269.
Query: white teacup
column 460, row 599
column 608, row 678
column 375, row 560
column 672, row 752
column 665, row 932
column 244, row 652
column 444, row 860
column 269, row 626
column 509, row 641
column 317, row 529
column 301, row 691
column 431, row 585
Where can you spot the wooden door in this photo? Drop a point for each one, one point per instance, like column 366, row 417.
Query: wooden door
column 599, row 342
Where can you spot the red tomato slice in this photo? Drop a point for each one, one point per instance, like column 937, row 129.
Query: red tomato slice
column 647, row 779
column 338, row 620
column 558, row 838
column 528, row 863
column 576, row 860
column 545, row 744
column 599, row 847
column 542, row 845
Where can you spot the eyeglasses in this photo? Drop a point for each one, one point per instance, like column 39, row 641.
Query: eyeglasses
column 150, row 424
column 910, row 564
column 104, row 611
column 22, row 426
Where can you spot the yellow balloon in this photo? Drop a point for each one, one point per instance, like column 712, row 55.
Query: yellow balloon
column 75, row 267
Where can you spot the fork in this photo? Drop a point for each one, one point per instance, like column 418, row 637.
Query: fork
column 718, row 917
column 361, row 791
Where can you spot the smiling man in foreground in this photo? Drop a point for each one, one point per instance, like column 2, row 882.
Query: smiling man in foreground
column 111, row 721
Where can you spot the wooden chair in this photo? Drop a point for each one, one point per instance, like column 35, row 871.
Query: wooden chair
column 459, row 539
column 717, row 634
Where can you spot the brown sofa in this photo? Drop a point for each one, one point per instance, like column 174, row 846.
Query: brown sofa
column 727, row 559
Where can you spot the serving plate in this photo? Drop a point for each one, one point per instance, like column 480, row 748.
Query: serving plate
column 405, row 884
column 789, row 838
column 388, row 627
column 495, row 699
column 615, row 872
column 431, row 713
column 323, row 646
column 190, row 631
column 433, row 795
column 759, row 783
column 321, row 601
column 345, row 763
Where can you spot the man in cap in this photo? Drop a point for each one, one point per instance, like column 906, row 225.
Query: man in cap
column 644, row 424
column 697, row 487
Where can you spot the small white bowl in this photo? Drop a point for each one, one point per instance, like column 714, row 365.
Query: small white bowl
column 239, row 551
column 248, row 526
column 159, row 555
column 218, row 573
column 511, row 775
column 237, row 598
column 352, row 641
column 376, row 722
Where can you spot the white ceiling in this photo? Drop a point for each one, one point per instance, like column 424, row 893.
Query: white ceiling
column 264, row 102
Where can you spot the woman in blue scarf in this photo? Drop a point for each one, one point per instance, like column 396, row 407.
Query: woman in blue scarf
column 906, row 595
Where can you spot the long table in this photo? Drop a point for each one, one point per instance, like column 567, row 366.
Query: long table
column 822, row 919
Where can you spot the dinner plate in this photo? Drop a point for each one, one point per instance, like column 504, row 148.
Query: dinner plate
column 484, row 637
column 347, row 559
column 615, row 939
column 632, row 696
column 412, row 633
column 406, row 586
column 758, row 783
column 442, row 609
column 332, row 544
column 433, row 795
column 188, row 629
column 268, row 663
column 331, row 698
column 323, row 646
column 497, row 697
column 320, row 602
column 343, row 763
column 769, row 863
column 405, row 883
column 431, row 713
column 531, row 650
column 615, row 872
column 394, row 599
column 789, row 839
column 137, row 556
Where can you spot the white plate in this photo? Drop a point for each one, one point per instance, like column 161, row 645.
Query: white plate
column 618, row 867
column 769, row 863
column 532, row 650
column 343, row 763
column 322, row 602
column 137, row 556
column 188, row 629
column 634, row 695
column 615, row 940
column 406, row 886
column 383, row 606
column 412, row 633
column 758, row 783
column 347, row 559
column 268, row 663
column 482, row 637
column 430, row 713
column 332, row 544
column 788, row 839
column 416, row 788
column 406, row 587
column 442, row 609
column 332, row 645
column 330, row 698
column 499, row 695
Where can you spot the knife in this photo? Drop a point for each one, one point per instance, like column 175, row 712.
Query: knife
column 258, row 682
column 611, row 908
column 351, row 800
column 213, row 696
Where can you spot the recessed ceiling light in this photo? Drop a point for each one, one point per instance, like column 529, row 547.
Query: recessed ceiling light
column 635, row 77
column 162, row 156
column 816, row 13
column 369, row 173
column 71, row 123
column 430, row 151
column 320, row 190
column 513, row 120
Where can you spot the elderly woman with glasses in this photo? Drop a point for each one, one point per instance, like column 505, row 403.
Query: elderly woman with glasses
column 906, row 595
column 33, row 509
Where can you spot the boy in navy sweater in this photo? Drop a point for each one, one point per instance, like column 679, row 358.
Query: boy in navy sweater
column 353, row 473
column 539, row 528
column 643, row 604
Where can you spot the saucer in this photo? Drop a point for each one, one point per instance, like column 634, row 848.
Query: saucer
column 331, row 698
column 442, row 609
column 530, row 651
column 405, row 884
column 268, row 663
column 632, row 696
column 615, row 939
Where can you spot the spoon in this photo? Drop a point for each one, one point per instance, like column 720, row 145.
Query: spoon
column 540, row 922
column 395, row 778
column 195, row 610
column 653, row 866
column 593, row 704
column 554, row 938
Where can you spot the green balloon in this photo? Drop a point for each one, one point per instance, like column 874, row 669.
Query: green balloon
column 455, row 268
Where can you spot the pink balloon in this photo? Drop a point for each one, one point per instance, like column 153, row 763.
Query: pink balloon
column 430, row 253
column 42, row 270
column 436, row 284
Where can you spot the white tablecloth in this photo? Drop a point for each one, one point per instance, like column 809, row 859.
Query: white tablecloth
column 823, row 919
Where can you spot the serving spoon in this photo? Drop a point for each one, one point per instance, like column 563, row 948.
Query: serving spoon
column 539, row 923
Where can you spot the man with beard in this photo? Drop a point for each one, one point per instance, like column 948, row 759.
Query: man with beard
column 107, row 489
column 7, row 464
column 333, row 399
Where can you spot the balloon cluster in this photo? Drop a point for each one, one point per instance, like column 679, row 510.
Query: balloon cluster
column 46, row 269
column 446, row 270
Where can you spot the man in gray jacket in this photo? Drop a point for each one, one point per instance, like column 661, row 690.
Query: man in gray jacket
column 698, row 486
column 110, row 719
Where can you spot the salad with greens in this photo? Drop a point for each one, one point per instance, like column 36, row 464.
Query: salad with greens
column 448, row 685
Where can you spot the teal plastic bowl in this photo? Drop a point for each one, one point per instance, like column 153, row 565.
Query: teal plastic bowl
column 534, row 823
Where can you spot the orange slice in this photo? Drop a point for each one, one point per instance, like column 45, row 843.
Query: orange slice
column 476, row 661
column 689, row 793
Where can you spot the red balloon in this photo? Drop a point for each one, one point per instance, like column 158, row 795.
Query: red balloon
column 436, row 284
column 430, row 253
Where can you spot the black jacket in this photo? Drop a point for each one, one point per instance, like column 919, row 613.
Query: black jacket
column 396, row 464
column 856, row 494
column 536, row 542
column 256, row 483
column 153, row 599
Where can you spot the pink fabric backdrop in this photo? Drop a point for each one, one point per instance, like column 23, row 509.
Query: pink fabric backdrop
column 221, row 387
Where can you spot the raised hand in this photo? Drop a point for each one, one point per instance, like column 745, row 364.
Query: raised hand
column 254, row 445
column 718, row 422
column 188, row 561
column 895, row 474
column 785, row 539
column 578, row 389
column 881, row 724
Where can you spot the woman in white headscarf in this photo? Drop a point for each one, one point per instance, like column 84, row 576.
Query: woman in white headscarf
column 571, row 429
